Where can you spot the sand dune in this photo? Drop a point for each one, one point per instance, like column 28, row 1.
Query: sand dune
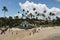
column 21, row 34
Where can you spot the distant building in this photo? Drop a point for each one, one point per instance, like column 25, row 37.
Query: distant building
column 26, row 25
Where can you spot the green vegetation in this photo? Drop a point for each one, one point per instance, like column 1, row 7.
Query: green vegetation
column 16, row 22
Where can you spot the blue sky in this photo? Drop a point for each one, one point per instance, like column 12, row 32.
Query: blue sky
column 13, row 5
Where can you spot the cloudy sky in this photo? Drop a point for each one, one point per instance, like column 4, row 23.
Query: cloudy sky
column 16, row 5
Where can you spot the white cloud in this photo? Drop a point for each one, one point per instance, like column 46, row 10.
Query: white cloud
column 39, row 8
column 19, row 15
column 55, row 10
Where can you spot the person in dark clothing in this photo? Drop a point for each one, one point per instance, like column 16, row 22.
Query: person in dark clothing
column 3, row 30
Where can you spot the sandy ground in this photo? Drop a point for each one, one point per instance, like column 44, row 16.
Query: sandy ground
column 47, row 33
column 53, row 37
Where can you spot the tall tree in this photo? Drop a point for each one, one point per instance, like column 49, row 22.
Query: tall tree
column 5, row 10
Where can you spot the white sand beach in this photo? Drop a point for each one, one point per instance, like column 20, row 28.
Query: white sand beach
column 21, row 34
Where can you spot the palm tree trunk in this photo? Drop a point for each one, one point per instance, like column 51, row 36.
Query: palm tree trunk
column 4, row 14
column 5, row 19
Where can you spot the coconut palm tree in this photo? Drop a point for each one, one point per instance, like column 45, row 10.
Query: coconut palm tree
column 5, row 10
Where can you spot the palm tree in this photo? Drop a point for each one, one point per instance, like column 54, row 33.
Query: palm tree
column 5, row 10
